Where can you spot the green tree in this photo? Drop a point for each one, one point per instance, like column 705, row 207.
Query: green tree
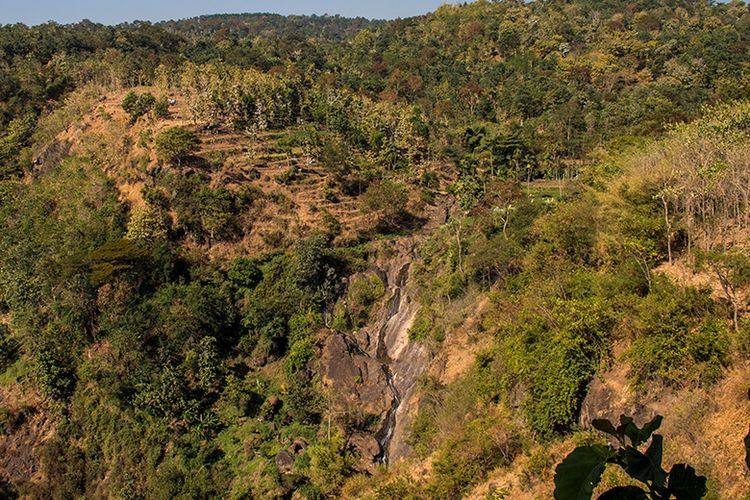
column 161, row 107
column 387, row 201
column 176, row 144
column 138, row 105
column 147, row 223
column 217, row 208
column 15, row 137
column 732, row 269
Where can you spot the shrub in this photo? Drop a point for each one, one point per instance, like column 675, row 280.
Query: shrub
column 207, row 214
column 165, row 396
column 121, row 257
column 554, row 357
column 570, row 232
column 147, row 223
column 387, row 199
column 161, row 107
column 303, row 403
column 302, row 350
column 421, row 327
column 364, row 292
column 14, row 138
column 331, row 224
column 299, row 354
column 288, row 176
column 449, row 286
column 55, row 372
column 329, row 464
column 680, row 342
column 244, row 273
column 176, row 144
column 137, row 106
column 65, row 464
column 465, row 460
column 493, row 259
column 8, row 348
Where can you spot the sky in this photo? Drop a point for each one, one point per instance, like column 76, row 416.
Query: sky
column 33, row 12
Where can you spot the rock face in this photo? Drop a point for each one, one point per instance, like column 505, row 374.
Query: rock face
column 356, row 380
column 375, row 372
column 610, row 396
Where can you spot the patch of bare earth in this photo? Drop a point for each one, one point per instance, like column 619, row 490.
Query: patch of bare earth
column 461, row 346
column 27, row 428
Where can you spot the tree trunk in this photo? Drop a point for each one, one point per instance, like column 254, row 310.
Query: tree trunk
column 669, row 229
column 460, row 251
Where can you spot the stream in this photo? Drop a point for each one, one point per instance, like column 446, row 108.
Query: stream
column 386, row 433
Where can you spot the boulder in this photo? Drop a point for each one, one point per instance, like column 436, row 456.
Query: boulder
column 284, row 462
column 368, row 448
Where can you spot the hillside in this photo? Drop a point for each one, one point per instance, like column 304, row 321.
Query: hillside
column 296, row 196
column 251, row 256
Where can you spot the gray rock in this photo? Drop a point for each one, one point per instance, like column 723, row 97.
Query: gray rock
column 284, row 462
column 368, row 449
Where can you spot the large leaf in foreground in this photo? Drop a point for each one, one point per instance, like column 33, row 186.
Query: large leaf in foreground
column 685, row 484
column 646, row 467
column 580, row 472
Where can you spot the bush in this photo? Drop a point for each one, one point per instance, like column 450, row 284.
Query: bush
column 304, row 403
column 494, row 259
column 288, row 176
column 364, row 292
column 329, row 465
column 569, row 232
column 55, row 372
column 161, row 108
column 331, row 224
column 421, row 327
column 176, row 144
column 465, row 460
column 65, row 466
column 121, row 257
column 553, row 358
column 137, row 106
column 449, row 286
column 680, row 342
column 8, row 348
column 147, row 223
column 244, row 273
column 387, row 200
column 206, row 214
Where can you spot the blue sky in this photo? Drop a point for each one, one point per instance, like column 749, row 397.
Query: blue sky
column 116, row 11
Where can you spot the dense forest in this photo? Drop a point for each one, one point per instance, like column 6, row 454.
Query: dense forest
column 256, row 256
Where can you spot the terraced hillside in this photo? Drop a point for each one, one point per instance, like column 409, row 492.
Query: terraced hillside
column 298, row 194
